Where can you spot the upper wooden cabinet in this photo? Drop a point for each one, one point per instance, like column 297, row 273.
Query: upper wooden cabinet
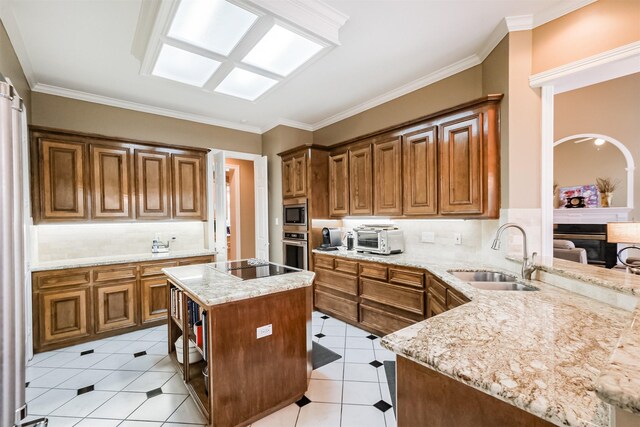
column 420, row 172
column 79, row 177
column 360, row 181
column 287, row 178
column 63, row 180
column 387, row 173
column 188, row 186
column 111, row 182
column 339, row 184
column 294, row 176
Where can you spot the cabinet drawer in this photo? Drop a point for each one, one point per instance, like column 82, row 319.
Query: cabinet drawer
column 392, row 295
column 454, row 299
column 346, row 266
column 373, row 271
column 115, row 272
column 406, row 277
column 333, row 304
column 434, row 305
column 52, row 279
column 438, row 289
column 338, row 281
column 324, row 262
column 195, row 261
column 153, row 269
column 381, row 320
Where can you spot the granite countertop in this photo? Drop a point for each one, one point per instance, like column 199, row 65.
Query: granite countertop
column 116, row 259
column 213, row 287
column 543, row 352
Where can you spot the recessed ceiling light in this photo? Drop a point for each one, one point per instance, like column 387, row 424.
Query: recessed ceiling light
column 215, row 25
column 281, row 51
column 182, row 66
column 245, row 84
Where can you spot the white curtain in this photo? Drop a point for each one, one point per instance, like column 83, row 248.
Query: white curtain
column 12, row 254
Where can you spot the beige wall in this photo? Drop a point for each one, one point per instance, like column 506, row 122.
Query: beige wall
column 276, row 140
column 593, row 29
column 247, row 208
column 70, row 114
column 10, row 67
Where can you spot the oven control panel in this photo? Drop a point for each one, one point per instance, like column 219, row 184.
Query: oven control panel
column 295, row 236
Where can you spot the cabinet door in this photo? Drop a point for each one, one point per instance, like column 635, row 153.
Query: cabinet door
column 339, row 185
column 188, row 186
column 300, row 176
column 65, row 315
column 62, row 173
column 360, row 182
column 287, row 178
column 434, row 305
column 153, row 175
column 115, row 306
column 387, row 172
column 154, row 299
column 461, row 166
column 420, row 185
column 110, row 182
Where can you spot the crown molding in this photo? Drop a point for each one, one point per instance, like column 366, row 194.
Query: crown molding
column 288, row 123
column 560, row 9
column 143, row 108
column 519, row 23
column 442, row 73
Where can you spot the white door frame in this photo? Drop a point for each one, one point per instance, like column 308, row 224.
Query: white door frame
column 235, row 234
column 609, row 65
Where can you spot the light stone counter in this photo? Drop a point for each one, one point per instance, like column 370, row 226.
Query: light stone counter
column 213, row 287
column 542, row 351
column 118, row 259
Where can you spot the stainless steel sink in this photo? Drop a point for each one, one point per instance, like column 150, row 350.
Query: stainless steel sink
column 492, row 281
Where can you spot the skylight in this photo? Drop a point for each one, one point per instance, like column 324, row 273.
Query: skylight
column 281, row 51
column 215, row 25
column 245, row 84
column 185, row 67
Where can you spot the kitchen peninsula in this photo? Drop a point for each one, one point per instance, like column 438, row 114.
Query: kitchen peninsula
column 255, row 340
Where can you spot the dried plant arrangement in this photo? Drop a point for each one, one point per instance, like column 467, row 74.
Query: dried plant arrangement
column 606, row 185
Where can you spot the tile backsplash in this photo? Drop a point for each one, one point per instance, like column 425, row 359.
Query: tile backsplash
column 52, row 242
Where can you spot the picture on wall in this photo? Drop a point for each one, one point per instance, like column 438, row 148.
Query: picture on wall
column 589, row 192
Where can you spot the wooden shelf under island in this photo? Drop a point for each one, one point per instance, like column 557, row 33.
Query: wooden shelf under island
column 252, row 372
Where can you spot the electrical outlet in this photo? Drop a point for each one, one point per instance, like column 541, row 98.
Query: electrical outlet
column 264, row 331
column 457, row 238
column 277, row 220
column 428, row 237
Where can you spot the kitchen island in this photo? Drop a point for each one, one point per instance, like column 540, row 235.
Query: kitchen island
column 252, row 328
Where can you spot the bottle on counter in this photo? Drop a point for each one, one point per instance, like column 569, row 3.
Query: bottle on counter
column 350, row 241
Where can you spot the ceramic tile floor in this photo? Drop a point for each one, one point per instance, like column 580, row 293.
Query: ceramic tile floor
column 129, row 381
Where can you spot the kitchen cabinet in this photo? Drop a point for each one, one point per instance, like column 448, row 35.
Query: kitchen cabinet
column 288, row 176
column 115, row 305
column 188, row 186
column 387, row 174
column 420, row 179
column 294, row 176
column 360, row 181
column 153, row 184
column 111, row 185
column 65, row 314
column 154, row 299
column 339, row 184
column 442, row 297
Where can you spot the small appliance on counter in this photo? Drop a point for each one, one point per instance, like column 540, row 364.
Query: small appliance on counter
column 331, row 239
column 382, row 239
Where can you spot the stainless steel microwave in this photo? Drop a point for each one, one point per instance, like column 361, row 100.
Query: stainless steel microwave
column 295, row 214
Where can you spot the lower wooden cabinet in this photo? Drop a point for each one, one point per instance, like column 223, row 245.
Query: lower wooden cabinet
column 154, row 299
column 115, row 306
column 336, row 305
column 382, row 321
column 65, row 314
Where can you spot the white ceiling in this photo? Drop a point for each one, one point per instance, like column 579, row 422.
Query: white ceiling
column 83, row 49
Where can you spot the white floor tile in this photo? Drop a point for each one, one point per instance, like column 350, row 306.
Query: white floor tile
column 317, row 321
column 140, row 424
column 93, row 422
column 352, row 331
column 33, row 372
column 285, row 417
column 113, row 361
column 159, row 348
column 54, row 378
column 359, row 342
column 117, row 380
column 158, row 408
column 360, row 372
column 175, row 385
column 135, row 347
column 86, row 361
column 353, row 355
column 183, row 425
column 58, row 421
column 84, row 379
column 383, row 354
column 164, row 365
column 390, row 418
column 111, row 346
column 334, row 331
column 331, row 341
column 333, row 322
column 361, row 393
column 332, row 371
column 57, row 360
column 83, row 405
column 386, row 396
column 382, row 376
column 155, row 336
column 325, row 391
column 142, row 363
column 78, row 348
column 134, row 336
column 149, row 381
column 32, row 392
column 37, row 358
column 358, row 416
column 120, row 406
column 319, row 415
column 50, row 401
column 187, row 413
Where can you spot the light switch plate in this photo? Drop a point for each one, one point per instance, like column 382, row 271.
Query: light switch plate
column 264, row 331
column 277, row 220
column 428, row 237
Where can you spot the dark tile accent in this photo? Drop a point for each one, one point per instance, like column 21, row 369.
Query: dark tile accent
column 372, row 337
column 320, row 335
column 84, row 390
column 303, row 401
column 84, row 353
column 140, row 353
column 325, row 317
column 375, row 364
column 382, row 406
column 153, row 393
column 26, row 385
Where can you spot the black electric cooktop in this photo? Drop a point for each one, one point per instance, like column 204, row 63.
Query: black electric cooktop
column 252, row 269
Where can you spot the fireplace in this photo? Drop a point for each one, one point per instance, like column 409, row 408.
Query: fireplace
column 591, row 237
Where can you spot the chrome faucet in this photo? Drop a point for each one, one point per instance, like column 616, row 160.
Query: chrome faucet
column 158, row 247
column 528, row 266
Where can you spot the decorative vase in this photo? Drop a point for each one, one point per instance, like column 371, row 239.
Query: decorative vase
column 609, row 199
column 605, row 199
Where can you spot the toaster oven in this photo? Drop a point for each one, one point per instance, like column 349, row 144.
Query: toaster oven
column 379, row 240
